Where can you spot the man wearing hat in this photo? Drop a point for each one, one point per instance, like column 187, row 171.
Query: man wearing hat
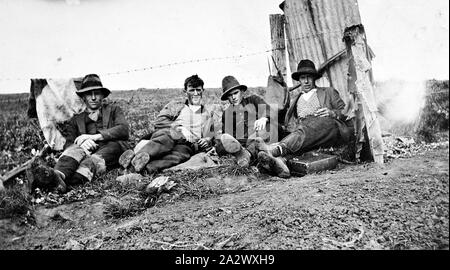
column 243, row 121
column 182, row 128
column 94, row 141
column 313, row 120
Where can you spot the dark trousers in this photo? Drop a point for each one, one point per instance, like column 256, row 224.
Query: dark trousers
column 165, row 152
column 78, row 167
column 311, row 133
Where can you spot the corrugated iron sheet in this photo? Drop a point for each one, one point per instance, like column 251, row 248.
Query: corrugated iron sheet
column 314, row 29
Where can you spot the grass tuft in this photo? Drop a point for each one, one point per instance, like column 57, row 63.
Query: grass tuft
column 14, row 202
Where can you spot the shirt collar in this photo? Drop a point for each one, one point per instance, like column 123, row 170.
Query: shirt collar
column 202, row 106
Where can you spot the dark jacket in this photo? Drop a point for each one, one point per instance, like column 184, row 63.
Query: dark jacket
column 328, row 98
column 115, row 126
column 241, row 118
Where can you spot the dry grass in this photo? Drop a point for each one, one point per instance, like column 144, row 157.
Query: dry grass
column 14, row 203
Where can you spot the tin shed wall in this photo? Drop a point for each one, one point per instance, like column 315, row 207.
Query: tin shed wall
column 314, row 30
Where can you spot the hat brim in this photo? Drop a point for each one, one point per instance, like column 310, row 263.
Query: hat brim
column 106, row 91
column 296, row 75
column 226, row 93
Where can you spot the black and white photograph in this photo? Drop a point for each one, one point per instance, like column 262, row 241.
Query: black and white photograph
column 223, row 126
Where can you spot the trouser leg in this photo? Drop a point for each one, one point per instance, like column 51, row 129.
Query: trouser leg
column 70, row 160
column 96, row 164
column 160, row 143
column 110, row 153
column 312, row 133
column 179, row 154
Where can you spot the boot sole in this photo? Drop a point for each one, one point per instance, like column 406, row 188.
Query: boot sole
column 139, row 161
column 230, row 144
column 125, row 158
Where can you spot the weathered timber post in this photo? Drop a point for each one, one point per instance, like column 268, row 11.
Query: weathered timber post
column 278, row 45
column 361, row 88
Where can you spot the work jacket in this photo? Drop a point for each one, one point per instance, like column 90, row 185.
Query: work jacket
column 328, row 98
column 239, row 120
column 167, row 116
column 115, row 126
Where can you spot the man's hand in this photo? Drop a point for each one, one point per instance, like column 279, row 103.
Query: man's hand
column 89, row 145
column 187, row 134
column 204, row 143
column 82, row 138
column 260, row 124
column 325, row 112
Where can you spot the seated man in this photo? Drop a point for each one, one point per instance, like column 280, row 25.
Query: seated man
column 242, row 122
column 313, row 120
column 181, row 130
column 94, row 141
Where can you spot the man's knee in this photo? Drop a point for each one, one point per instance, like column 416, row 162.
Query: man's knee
column 140, row 145
column 74, row 151
column 99, row 163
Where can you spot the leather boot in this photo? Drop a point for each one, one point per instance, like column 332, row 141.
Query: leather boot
column 125, row 158
column 276, row 165
column 272, row 149
column 230, row 144
column 140, row 160
column 243, row 158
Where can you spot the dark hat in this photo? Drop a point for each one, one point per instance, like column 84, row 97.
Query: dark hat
column 229, row 83
column 92, row 82
column 305, row 67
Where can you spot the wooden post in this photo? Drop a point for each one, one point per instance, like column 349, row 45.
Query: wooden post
column 360, row 85
column 278, row 45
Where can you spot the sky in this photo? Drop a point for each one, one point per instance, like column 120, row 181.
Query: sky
column 71, row 38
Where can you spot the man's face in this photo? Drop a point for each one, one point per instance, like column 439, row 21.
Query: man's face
column 194, row 94
column 307, row 82
column 93, row 99
column 235, row 97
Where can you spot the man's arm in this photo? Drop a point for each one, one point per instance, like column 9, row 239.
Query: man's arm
column 208, row 132
column 337, row 104
column 264, row 112
column 167, row 115
column 120, row 130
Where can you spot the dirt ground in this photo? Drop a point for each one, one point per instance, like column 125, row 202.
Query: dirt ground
column 403, row 204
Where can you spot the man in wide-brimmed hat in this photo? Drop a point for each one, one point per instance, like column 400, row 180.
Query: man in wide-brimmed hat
column 313, row 120
column 94, row 141
column 245, row 119
column 183, row 128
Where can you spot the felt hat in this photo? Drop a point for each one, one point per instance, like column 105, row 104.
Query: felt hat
column 92, row 82
column 305, row 67
column 229, row 83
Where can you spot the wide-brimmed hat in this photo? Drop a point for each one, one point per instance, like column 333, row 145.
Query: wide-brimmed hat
column 229, row 83
column 305, row 67
column 92, row 82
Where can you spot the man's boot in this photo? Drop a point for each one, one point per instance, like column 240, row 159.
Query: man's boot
column 125, row 158
column 274, row 149
column 140, row 160
column 230, row 144
column 61, row 185
column 277, row 165
column 243, row 158
column 46, row 177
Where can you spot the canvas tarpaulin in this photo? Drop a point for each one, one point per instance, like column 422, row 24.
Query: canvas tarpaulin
column 54, row 102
